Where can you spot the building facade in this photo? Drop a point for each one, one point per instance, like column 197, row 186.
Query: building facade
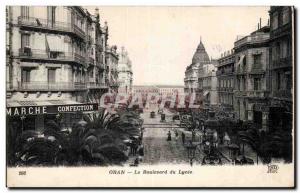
column 55, row 56
column 251, row 77
column 226, row 77
column 125, row 75
column 191, row 80
column 281, row 68
column 112, row 59
column 208, row 84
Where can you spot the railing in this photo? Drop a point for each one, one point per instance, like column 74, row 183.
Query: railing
column 281, row 63
column 241, row 71
column 78, row 31
column 96, row 85
column 257, row 70
column 252, row 39
column 45, row 86
column 286, row 94
column 225, row 89
column 257, row 94
column 48, row 24
column 52, row 55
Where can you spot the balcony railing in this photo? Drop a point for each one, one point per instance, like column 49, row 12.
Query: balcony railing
column 96, row 85
column 281, row 63
column 52, row 55
column 284, row 94
column 50, row 25
column 257, row 70
column 252, row 39
column 257, row 94
column 49, row 86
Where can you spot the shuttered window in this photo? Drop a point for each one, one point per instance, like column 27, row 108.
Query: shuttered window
column 25, row 74
column 51, row 75
column 25, row 40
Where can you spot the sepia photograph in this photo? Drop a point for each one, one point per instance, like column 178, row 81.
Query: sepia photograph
column 175, row 95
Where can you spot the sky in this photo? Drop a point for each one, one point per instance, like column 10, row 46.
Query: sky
column 161, row 41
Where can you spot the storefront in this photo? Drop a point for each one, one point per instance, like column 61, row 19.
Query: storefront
column 34, row 115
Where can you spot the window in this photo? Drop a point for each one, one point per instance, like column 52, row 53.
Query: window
column 277, row 50
column 275, row 21
column 51, row 75
column 244, row 84
column 25, row 40
column 257, row 84
column 25, row 74
column 24, row 11
column 283, row 49
column 285, row 16
column 257, row 61
column 278, row 78
column 91, row 74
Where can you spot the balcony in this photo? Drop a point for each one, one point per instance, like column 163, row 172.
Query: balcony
column 283, row 94
column 96, row 85
column 35, row 54
column 257, row 70
column 257, row 94
column 45, row 24
column 281, row 63
column 252, row 39
column 241, row 71
column 47, row 86
column 239, row 93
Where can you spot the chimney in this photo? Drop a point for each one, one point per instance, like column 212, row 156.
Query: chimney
column 268, row 22
column 257, row 26
column 259, row 22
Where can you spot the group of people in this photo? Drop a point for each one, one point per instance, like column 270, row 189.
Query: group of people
column 137, row 149
column 169, row 138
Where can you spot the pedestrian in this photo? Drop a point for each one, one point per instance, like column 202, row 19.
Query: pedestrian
column 169, row 136
column 183, row 137
column 193, row 135
column 176, row 135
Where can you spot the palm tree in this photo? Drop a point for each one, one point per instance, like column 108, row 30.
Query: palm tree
column 252, row 138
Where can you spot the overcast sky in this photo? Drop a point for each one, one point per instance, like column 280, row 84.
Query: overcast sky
column 161, row 41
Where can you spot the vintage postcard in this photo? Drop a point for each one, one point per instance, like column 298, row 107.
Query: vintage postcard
column 150, row 96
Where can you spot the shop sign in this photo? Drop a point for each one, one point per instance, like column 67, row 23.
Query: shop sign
column 55, row 109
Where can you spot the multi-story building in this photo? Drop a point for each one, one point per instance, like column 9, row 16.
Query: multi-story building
column 208, row 84
column 54, row 57
column 112, row 68
column 251, row 72
column 281, row 67
column 226, row 76
column 124, row 72
column 169, row 90
column 192, row 71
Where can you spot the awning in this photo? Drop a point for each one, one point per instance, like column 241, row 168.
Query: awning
column 241, row 59
column 40, row 103
column 205, row 93
column 54, row 43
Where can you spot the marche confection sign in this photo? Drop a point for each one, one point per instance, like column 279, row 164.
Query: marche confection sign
column 53, row 109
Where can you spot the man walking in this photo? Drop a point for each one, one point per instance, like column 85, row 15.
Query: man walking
column 183, row 137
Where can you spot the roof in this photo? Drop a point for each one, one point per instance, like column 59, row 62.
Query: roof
column 200, row 56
